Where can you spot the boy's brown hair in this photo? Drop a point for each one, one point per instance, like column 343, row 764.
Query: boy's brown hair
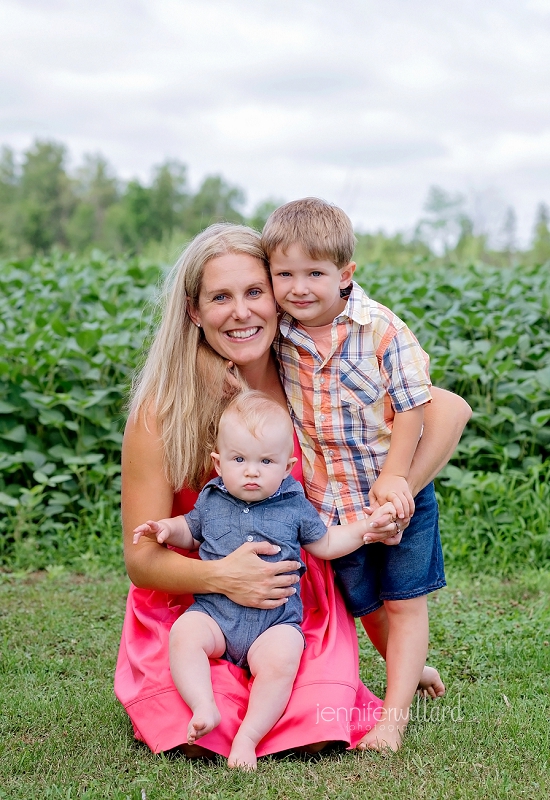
column 321, row 229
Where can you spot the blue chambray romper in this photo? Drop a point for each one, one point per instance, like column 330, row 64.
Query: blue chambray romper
column 221, row 523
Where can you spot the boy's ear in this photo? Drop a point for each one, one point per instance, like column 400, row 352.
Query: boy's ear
column 290, row 463
column 216, row 462
column 347, row 274
column 193, row 312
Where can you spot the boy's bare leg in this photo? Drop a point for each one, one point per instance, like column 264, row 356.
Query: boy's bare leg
column 194, row 638
column 407, row 646
column 273, row 659
column 376, row 627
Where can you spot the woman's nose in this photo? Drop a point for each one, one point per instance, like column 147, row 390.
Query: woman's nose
column 241, row 309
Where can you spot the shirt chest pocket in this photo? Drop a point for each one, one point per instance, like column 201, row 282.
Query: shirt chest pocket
column 360, row 382
column 216, row 524
column 278, row 525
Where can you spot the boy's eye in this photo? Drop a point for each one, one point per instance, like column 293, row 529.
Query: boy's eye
column 316, row 273
column 282, row 275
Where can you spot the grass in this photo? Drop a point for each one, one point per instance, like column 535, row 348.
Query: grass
column 63, row 735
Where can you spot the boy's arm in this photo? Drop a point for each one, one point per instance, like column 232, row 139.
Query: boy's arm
column 174, row 531
column 340, row 540
column 391, row 485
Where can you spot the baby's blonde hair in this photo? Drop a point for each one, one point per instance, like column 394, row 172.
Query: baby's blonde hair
column 256, row 409
column 322, row 230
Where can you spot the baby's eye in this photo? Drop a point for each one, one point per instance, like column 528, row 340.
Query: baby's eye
column 239, row 459
column 266, row 461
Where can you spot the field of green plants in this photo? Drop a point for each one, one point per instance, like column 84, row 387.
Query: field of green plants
column 72, row 330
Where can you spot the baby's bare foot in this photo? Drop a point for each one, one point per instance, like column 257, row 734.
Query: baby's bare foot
column 243, row 754
column 202, row 722
column 430, row 683
column 384, row 736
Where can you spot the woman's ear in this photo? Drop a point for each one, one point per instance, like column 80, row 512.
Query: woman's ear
column 193, row 313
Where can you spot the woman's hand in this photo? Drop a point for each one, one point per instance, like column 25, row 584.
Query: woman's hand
column 248, row 580
column 386, row 528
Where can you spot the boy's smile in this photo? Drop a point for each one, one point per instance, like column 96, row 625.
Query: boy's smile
column 307, row 289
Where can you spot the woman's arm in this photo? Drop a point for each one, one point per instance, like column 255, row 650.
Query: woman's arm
column 146, row 494
column 444, row 420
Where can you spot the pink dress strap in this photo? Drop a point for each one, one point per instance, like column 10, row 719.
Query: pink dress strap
column 328, row 702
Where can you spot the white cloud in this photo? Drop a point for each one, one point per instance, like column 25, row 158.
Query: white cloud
column 362, row 102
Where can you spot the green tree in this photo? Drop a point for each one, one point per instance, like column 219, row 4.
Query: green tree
column 96, row 188
column 46, row 199
column 261, row 213
column 446, row 222
column 9, row 188
column 541, row 239
column 215, row 201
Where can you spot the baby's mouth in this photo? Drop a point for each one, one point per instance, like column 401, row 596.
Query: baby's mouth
column 245, row 333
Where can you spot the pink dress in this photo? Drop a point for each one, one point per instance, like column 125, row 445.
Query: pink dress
column 328, row 702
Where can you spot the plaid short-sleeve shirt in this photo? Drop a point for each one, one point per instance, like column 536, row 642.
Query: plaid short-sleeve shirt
column 343, row 405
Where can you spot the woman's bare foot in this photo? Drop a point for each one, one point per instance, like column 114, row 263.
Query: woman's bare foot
column 203, row 721
column 384, row 736
column 243, row 754
column 430, row 683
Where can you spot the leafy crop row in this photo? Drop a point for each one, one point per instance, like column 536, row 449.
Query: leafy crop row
column 72, row 330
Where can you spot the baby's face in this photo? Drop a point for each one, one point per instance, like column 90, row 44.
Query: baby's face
column 252, row 468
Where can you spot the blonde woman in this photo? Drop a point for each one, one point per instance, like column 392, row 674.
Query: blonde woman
column 219, row 321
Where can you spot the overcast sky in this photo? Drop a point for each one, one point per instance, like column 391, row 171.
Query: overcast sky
column 366, row 103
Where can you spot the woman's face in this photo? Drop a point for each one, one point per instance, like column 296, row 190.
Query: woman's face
column 236, row 308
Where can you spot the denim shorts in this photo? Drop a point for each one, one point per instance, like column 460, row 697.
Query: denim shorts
column 378, row 572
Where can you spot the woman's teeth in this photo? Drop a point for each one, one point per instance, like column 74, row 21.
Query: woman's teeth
column 245, row 334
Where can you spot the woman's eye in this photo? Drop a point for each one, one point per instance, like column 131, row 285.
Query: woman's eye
column 255, row 292
column 218, row 298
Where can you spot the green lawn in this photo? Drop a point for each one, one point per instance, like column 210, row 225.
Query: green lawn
column 63, row 735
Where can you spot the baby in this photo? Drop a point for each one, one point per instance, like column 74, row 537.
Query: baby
column 253, row 499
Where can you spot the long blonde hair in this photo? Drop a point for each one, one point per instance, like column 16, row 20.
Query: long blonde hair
column 184, row 382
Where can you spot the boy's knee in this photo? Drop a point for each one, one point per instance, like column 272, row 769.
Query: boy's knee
column 410, row 607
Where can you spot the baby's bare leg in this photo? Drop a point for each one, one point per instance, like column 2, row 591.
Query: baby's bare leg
column 273, row 659
column 194, row 638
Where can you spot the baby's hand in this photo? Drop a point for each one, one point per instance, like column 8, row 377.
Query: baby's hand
column 393, row 489
column 154, row 530
column 382, row 525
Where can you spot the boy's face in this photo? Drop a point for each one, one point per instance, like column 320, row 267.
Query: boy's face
column 306, row 289
column 252, row 469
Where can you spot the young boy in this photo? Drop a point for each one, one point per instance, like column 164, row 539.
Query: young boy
column 356, row 380
column 255, row 498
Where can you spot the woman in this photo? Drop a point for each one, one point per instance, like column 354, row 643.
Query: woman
column 221, row 309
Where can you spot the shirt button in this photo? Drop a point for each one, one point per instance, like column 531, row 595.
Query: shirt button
column 322, row 417
column 322, row 380
column 246, row 510
column 249, row 538
column 331, row 452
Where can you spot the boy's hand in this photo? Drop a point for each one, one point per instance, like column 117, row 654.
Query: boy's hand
column 393, row 489
column 154, row 530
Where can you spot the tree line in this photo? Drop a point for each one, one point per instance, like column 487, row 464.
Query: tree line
column 44, row 205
